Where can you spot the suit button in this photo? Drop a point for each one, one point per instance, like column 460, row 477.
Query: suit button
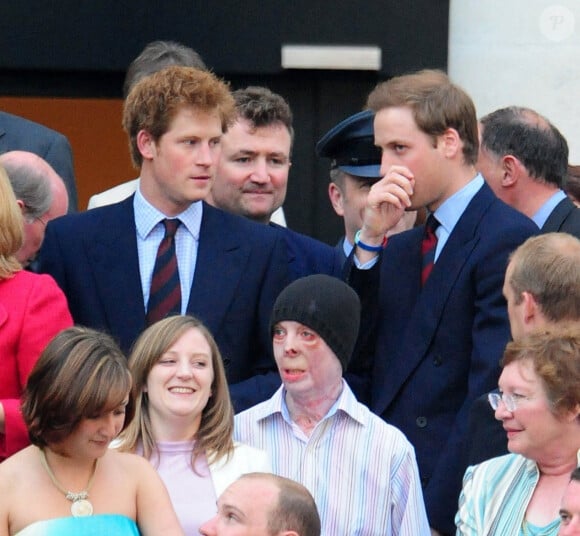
column 437, row 361
column 421, row 422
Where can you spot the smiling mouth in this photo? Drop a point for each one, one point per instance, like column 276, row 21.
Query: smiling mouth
column 181, row 390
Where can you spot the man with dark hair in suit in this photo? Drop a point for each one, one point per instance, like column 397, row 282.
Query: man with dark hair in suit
column 19, row 134
column 252, row 175
column 434, row 317
column 524, row 159
column 230, row 270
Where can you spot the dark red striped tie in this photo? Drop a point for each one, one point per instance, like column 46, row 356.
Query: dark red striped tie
column 165, row 294
column 428, row 247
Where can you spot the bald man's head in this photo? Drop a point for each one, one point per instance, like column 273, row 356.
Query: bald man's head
column 40, row 193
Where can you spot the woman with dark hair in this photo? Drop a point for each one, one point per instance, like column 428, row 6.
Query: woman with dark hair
column 77, row 400
column 184, row 418
column 32, row 311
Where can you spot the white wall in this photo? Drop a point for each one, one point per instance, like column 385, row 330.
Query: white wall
column 520, row 52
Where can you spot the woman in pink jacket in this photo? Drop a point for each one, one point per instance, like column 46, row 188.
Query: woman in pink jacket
column 32, row 311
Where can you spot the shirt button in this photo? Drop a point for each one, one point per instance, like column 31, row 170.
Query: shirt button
column 421, row 422
column 437, row 361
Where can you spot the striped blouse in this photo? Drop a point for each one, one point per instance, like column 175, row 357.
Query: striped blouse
column 495, row 497
column 361, row 471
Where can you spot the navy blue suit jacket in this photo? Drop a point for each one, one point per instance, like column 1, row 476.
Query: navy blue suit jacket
column 307, row 256
column 241, row 268
column 487, row 437
column 565, row 218
column 19, row 134
column 436, row 349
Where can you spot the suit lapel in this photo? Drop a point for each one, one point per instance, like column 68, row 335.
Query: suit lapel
column 221, row 256
column 558, row 216
column 429, row 302
column 114, row 259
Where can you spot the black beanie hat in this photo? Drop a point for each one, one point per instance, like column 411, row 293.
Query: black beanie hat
column 325, row 304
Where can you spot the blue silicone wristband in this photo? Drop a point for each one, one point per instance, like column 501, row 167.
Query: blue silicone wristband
column 368, row 247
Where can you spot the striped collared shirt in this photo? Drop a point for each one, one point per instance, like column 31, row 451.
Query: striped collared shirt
column 361, row 471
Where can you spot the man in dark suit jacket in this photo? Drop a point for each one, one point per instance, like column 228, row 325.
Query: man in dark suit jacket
column 230, row 270
column 542, row 288
column 19, row 134
column 434, row 344
column 524, row 159
column 252, row 176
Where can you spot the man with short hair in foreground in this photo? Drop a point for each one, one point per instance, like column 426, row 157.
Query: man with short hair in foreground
column 262, row 504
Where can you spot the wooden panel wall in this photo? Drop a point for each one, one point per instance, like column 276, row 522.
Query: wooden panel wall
column 93, row 127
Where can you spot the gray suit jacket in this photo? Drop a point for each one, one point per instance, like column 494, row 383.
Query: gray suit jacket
column 19, row 134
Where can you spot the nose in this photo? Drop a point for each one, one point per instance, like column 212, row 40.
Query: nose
column 205, row 155
column 502, row 413
column 110, row 425
column 290, row 344
column 209, row 527
column 385, row 164
column 184, row 369
column 260, row 173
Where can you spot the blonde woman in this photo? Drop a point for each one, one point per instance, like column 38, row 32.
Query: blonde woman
column 32, row 311
column 184, row 418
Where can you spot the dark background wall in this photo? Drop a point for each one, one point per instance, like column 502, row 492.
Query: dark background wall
column 79, row 49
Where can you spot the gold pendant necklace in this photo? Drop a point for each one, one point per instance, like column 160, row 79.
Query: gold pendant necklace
column 81, row 506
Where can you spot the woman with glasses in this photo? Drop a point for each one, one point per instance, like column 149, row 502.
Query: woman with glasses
column 539, row 405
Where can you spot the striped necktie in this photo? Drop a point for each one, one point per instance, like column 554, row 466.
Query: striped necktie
column 428, row 247
column 165, row 294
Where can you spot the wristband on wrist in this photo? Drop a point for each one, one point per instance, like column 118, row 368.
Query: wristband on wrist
column 368, row 247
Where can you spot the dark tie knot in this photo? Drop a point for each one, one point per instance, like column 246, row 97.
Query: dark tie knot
column 171, row 227
column 432, row 223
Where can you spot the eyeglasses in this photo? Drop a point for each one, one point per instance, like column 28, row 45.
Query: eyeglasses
column 511, row 402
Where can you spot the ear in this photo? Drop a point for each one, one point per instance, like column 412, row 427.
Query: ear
column 146, row 145
column 530, row 308
column 572, row 415
column 450, row 143
column 20, row 203
column 335, row 195
column 512, row 170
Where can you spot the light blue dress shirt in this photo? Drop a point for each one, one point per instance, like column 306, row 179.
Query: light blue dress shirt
column 547, row 208
column 150, row 232
column 452, row 209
